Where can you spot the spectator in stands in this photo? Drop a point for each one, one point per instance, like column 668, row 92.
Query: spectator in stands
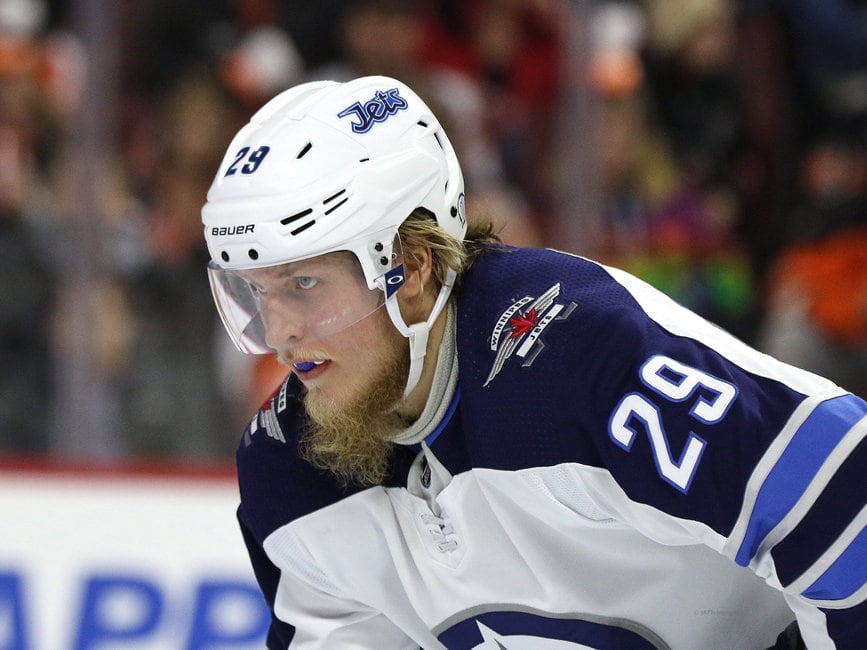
column 664, row 151
column 26, row 278
column 26, row 298
column 172, row 362
column 816, row 311
column 513, row 49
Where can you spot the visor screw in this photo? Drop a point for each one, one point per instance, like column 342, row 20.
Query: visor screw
column 225, row 256
column 383, row 260
column 454, row 211
column 378, row 247
column 253, row 253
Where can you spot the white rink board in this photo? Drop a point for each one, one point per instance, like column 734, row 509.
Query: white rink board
column 113, row 560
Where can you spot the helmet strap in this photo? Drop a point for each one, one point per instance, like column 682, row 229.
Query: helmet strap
column 418, row 333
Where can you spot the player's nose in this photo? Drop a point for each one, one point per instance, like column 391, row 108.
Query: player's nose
column 282, row 325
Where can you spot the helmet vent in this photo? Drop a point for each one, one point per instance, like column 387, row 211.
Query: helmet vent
column 303, row 227
column 334, row 207
column 303, row 152
column 334, row 197
column 295, row 217
column 422, row 123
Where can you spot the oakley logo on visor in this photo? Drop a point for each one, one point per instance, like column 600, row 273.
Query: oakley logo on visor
column 378, row 108
column 394, row 280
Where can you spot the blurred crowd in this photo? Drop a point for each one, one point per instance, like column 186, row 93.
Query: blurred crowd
column 715, row 148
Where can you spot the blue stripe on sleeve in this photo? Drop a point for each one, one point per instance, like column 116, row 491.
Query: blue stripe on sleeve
column 845, row 576
column 814, row 440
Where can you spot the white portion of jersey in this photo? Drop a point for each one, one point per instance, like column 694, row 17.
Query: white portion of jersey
column 561, row 541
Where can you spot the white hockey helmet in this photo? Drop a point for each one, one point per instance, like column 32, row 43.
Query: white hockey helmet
column 326, row 167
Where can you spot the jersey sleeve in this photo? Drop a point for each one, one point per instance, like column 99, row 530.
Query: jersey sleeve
column 267, row 575
column 727, row 426
column 321, row 619
column 675, row 427
column 278, row 491
column 804, row 514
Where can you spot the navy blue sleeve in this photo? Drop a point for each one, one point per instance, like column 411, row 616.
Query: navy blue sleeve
column 277, row 486
column 848, row 627
column 267, row 575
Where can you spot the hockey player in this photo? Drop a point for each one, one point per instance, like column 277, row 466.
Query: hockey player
column 482, row 446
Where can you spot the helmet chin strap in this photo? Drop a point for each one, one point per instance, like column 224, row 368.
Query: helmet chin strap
column 418, row 333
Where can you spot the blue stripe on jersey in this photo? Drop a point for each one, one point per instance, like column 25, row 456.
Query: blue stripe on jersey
column 830, row 515
column 811, row 444
column 845, row 576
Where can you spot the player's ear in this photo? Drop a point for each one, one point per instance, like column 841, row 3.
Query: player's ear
column 418, row 263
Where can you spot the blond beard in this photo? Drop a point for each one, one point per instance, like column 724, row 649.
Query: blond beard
column 352, row 441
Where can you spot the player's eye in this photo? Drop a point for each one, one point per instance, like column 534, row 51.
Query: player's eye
column 305, row 282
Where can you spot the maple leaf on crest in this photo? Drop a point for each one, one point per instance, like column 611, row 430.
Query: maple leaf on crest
column 523, row 323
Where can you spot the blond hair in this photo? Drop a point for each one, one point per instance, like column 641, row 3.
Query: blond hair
column 421, row 230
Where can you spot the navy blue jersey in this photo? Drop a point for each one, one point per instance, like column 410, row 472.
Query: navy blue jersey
column 615, row 472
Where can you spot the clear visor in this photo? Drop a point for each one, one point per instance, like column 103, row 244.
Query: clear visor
column 307, row 300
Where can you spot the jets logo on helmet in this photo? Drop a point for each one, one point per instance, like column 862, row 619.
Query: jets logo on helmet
column 379, row 108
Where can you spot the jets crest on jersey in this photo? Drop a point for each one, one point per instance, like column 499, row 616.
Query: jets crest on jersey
column 526, row 319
